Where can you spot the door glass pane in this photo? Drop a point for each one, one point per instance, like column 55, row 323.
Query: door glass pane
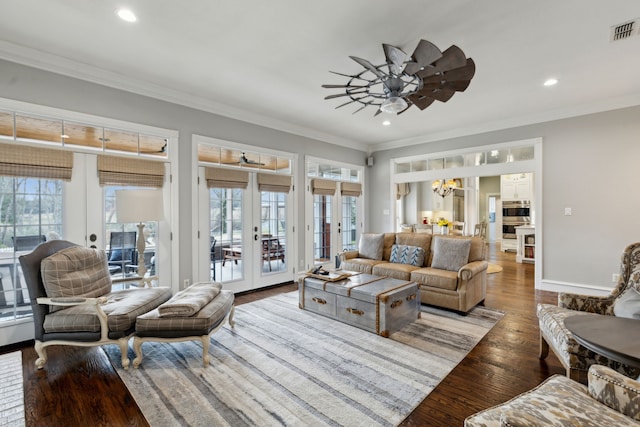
column 349, row 220
column 121, row 240
column 322, row 228
column 225, row 206
column 273, row 219
column 30, row 213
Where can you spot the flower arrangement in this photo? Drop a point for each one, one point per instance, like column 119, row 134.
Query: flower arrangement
column 442, row 222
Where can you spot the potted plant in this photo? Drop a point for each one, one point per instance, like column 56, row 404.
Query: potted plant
column 443, row 223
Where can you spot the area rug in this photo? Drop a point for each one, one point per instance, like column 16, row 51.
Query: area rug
column 281, row 365
column 11, row 390
column 493, row 268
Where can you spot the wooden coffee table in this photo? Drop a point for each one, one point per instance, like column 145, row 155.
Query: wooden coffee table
column 616, row 338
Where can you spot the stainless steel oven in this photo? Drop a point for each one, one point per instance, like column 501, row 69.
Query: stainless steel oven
column 514, row 213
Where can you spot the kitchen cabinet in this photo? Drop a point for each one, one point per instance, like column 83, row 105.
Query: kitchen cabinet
column 526, row 238
column 516, row 186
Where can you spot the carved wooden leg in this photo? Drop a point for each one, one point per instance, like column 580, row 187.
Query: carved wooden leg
column 124, row 350
column 544, row 348
column 137, row 348
column 42, row 354
column 206, row 339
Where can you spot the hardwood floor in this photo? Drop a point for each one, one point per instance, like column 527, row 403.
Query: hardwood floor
column 80, row 387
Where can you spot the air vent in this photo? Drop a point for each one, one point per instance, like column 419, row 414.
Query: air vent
column 624, row 31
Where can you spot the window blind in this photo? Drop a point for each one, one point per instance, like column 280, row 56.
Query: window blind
column 275, row 183
column 323, row 187
column 113, row 170
column 35, row 162
column 351, row 189
column 226, row 178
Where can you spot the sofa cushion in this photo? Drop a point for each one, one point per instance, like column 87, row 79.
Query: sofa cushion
column 405, row 254
column 558, row 401
column 450, row 253
column 435, row 278
column 75, row 272
column 122, row 308
column 394, row 270
column 615, row 390
column 361, row 265
column 421, row 240
column 389, row 241
column 371, row 246
column 628, row 304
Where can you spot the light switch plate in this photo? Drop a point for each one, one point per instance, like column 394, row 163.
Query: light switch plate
column 567, row 211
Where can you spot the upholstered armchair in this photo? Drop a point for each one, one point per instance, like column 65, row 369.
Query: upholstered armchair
column 611, row 399
column 622, row 301
column 73, row 303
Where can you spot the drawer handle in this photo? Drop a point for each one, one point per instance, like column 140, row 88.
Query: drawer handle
column 355, row 311
column 412, row 297
column 319, row 300
column 396, row 303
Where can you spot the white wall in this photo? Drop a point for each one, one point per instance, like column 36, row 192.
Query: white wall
column 589, row 164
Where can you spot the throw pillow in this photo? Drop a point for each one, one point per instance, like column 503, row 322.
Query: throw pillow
column 76, row 272
column 405, row 254
column 450, row 253
column 371, row 246
column 628, row 304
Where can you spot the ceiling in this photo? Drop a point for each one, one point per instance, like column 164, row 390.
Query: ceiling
column 265, row 61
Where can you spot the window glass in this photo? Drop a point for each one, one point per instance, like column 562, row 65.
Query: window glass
column 226, row 233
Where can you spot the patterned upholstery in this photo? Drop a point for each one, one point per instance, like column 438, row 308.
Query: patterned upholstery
column 559, row 401
column 575, row 358
column 405, row 254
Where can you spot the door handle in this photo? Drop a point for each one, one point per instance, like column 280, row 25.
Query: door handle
column 255, row 237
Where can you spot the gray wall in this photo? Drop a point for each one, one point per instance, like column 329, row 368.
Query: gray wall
column 589, row 164
column 488, row 184
column 35, row 86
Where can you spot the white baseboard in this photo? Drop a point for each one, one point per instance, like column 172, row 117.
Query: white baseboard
column 19, row 331
column 577, row 288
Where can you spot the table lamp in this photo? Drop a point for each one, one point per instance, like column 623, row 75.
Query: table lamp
column 139, row 206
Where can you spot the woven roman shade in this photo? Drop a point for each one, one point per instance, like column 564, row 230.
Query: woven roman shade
column 275, row 183
column 323, row 187
column 35, row 162
column 113, row 170
column 402, row 190
column 226, row 178
column 351, row 189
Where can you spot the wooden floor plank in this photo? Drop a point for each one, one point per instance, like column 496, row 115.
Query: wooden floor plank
column 80, row 387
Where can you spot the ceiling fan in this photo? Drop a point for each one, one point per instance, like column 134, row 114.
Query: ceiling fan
column 426, row 76
column 244, row 161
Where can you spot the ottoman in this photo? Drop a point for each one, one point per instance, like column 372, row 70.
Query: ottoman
column 192, row 314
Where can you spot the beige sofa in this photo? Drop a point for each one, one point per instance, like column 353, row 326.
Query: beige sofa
column 452, row 272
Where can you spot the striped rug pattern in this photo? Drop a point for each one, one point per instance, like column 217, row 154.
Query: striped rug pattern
column 11, row 390
column 281, row 365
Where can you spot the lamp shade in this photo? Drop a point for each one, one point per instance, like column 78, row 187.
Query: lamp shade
column 139, row 205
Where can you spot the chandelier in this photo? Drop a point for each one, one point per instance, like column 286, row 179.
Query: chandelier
column 443, row 188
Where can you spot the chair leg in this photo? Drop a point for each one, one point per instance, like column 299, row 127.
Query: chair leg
column 42, row 354
column 544, row 348
column 124, row 350
column 231, row 313
column 205, row 340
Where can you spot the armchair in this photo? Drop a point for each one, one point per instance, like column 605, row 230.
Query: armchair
column 72, row 301
column 553, row 334
column 610, row 400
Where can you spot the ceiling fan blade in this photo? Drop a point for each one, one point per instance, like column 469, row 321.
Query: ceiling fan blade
column 338, row 95
column 459, row 74
column 368, row 65
column 426, row 53
column 442, row 95
column 342, row 74
column 459, row 86
column 395, row 58
column 361, row 108
column 378, row 111
column 421, row 102
column 343, row 86
column 452, row 58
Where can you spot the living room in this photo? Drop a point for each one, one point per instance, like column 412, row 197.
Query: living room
column 587, row 149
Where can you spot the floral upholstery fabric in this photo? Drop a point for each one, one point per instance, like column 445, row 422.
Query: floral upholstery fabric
column 558, row 401
column 568, row 350
column 614, row 390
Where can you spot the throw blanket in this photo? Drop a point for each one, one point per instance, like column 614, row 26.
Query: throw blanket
column 189, row 301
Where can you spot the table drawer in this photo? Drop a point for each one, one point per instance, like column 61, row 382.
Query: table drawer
column 357, row 313
column 319, row 301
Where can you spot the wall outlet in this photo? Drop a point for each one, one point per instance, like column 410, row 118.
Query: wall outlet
column 615, row 277
column 186, row 283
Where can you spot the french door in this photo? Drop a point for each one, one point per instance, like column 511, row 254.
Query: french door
column 248, row 238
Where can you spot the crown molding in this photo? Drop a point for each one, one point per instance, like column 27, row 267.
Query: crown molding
column 70, row 68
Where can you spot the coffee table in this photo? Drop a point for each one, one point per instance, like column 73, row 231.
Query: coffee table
column 381, row 305
column 617, row 338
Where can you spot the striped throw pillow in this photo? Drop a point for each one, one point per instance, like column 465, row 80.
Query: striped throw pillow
column 405, row 254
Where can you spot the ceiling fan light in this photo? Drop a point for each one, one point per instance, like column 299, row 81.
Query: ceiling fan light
column 393, row 104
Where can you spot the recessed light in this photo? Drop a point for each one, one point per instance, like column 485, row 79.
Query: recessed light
column 386, row 123
column 126, row 15
column 551, row 82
